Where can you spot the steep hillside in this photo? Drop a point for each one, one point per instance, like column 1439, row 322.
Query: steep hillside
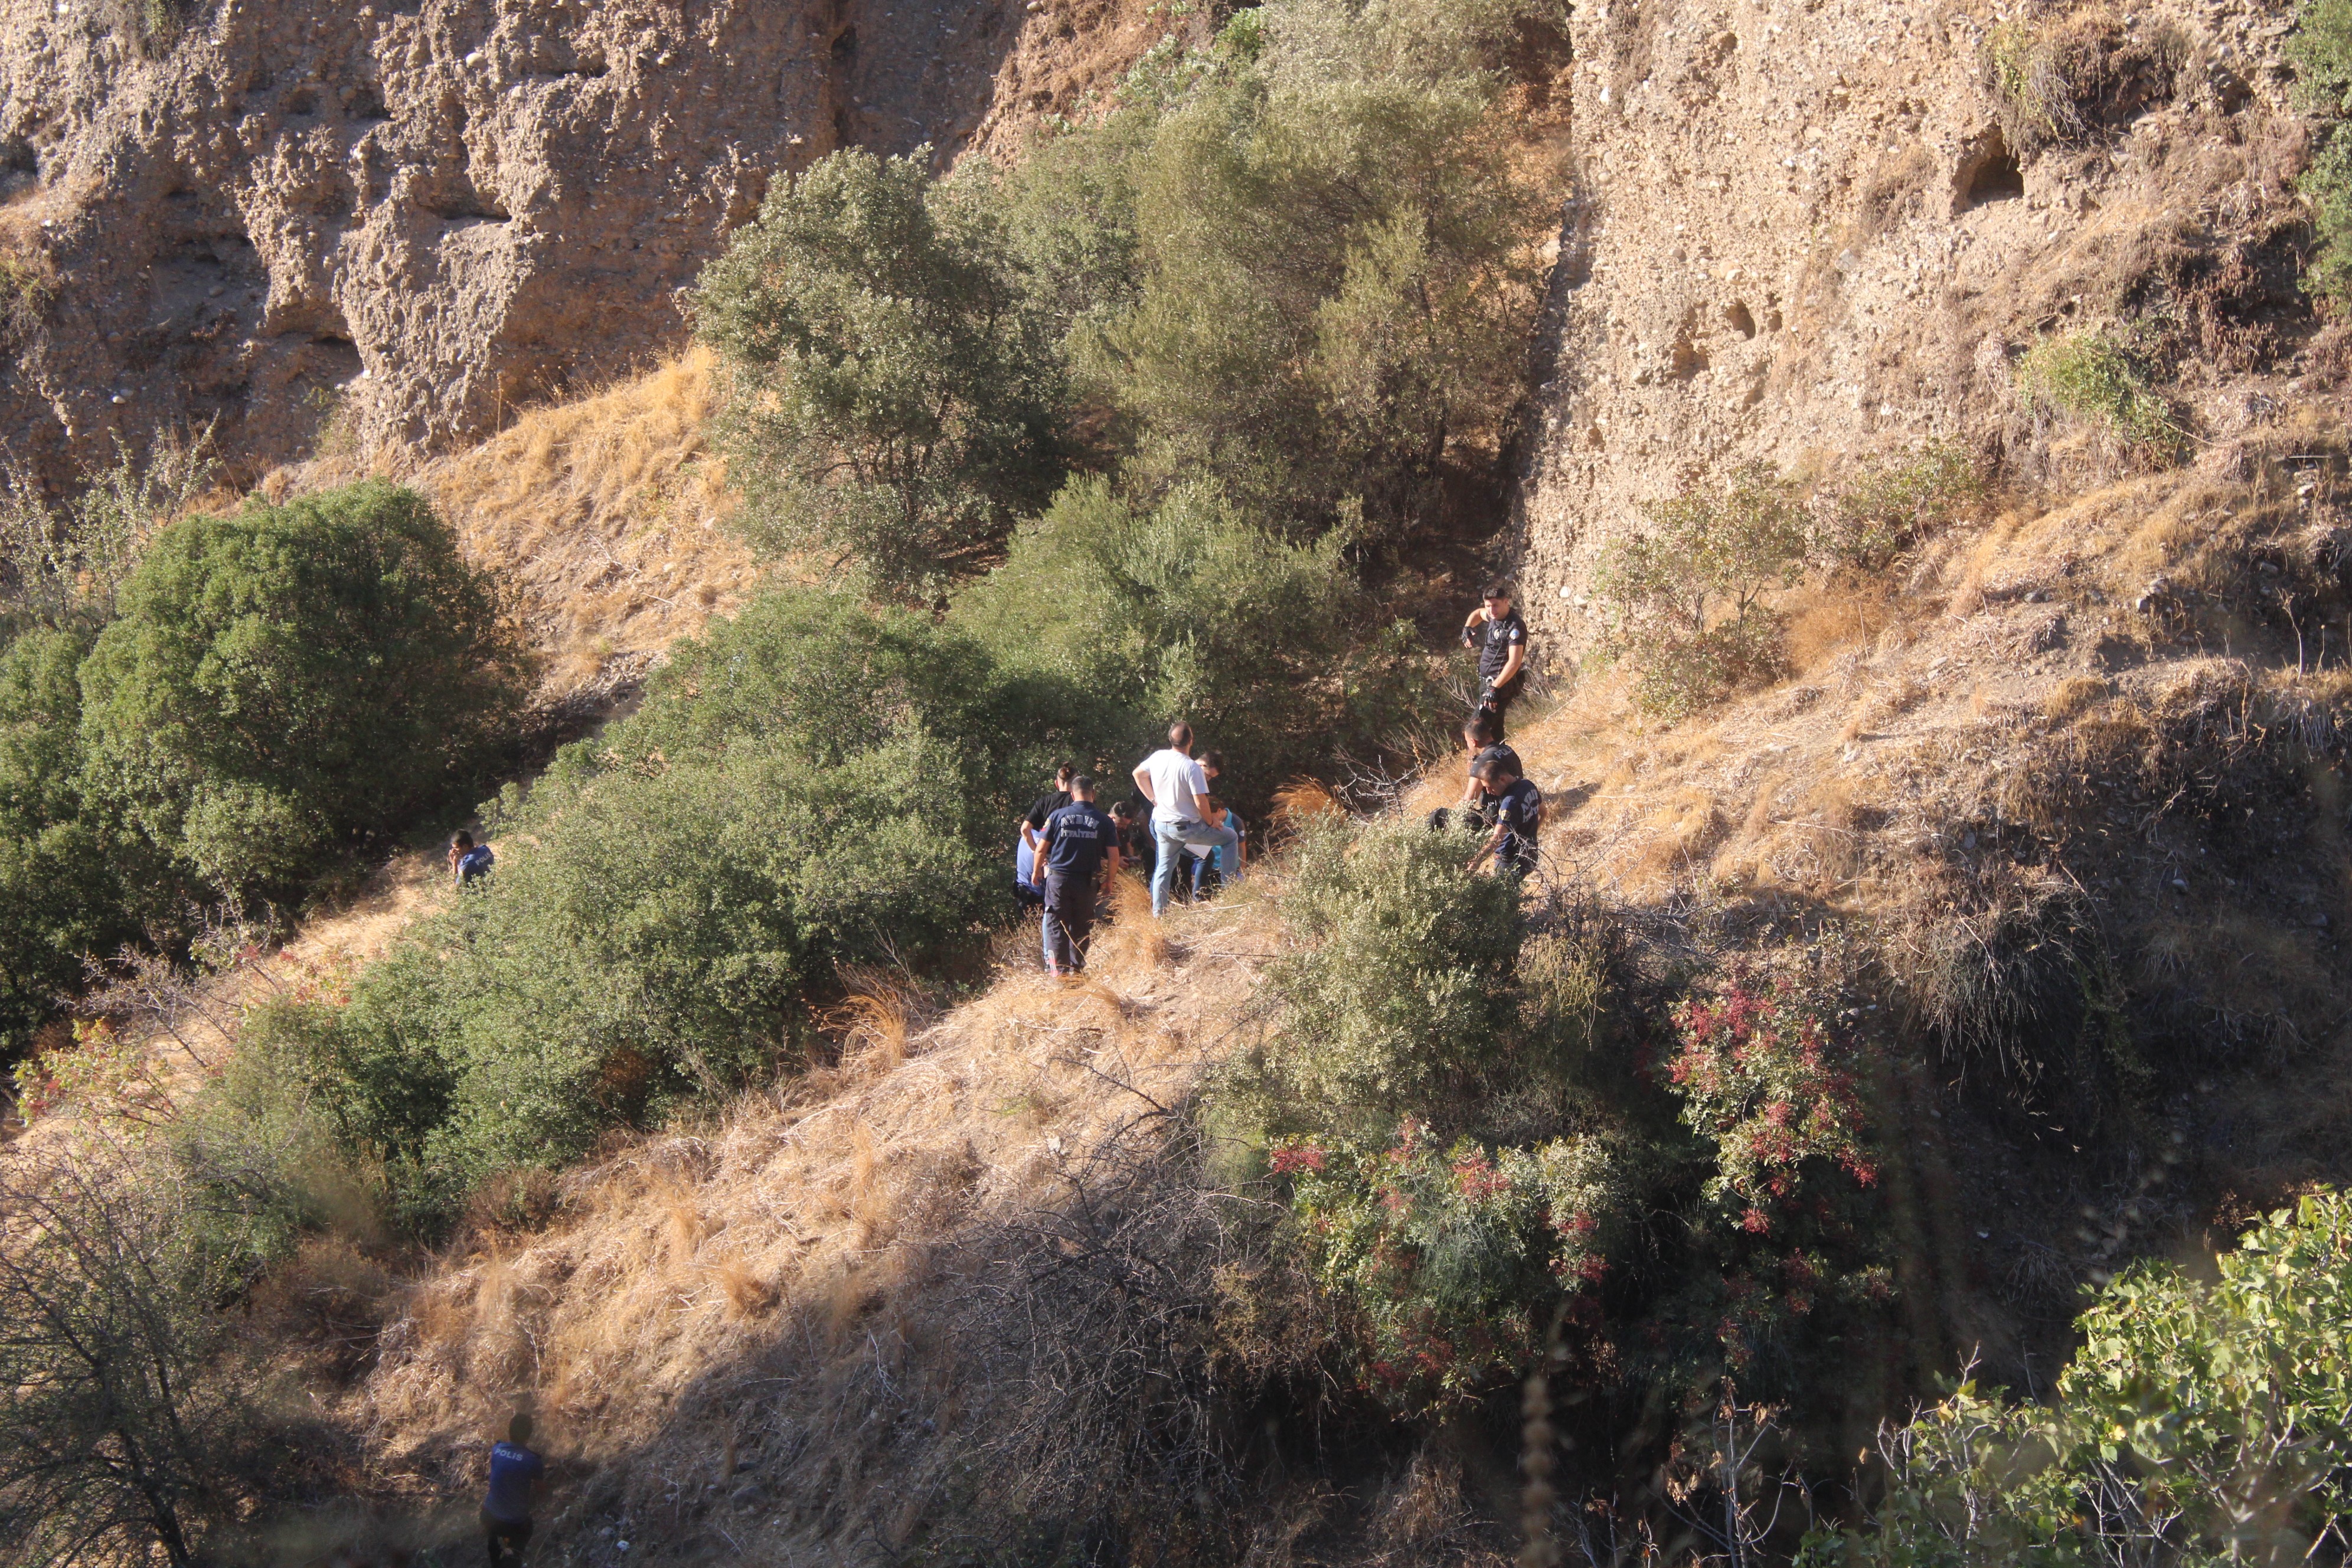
column 1802, row 233
column 407, row 220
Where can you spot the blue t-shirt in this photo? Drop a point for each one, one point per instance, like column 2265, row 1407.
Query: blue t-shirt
column 513, row 1468
column 1078, row 837
column 1226, row 865
column 476, row 863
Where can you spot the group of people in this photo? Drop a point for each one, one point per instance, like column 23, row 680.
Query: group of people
column 1192, row 842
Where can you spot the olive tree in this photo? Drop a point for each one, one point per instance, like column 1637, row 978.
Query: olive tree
column 894, row 399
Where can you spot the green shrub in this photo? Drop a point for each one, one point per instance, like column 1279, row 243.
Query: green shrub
column 2321, row 50
column 2209, row 1417
column 1396, row 993
column 894, row 400
column 61, row 565
column 1269, row 649
column 1889, row 503
column 70, row 883
column 1690, row 592
column 1450, row 1257
column 282, row 683
column 2094, row 378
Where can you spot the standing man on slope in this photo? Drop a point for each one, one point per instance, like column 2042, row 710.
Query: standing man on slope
column 506, row 1507
column 1173, row 783
column 1078, row 841
column 1498, row 633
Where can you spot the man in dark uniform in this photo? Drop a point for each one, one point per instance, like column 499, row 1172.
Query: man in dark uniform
column 1078, row 841
column 1515, row 806
column 1498, row 633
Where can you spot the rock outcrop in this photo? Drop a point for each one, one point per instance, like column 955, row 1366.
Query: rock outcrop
column 1804, row 232
column 392, row 221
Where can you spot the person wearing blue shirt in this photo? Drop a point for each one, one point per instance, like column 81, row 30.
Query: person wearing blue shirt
column 506, row 1507
column 1077, row 843
column 469, row 861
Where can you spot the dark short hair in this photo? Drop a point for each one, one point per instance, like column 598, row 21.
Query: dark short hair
column 1179, row 733
column 1083, row 785
column 1214, row 759
column 1480, row 729
column 518, row 1429
column 1063, row 770
column 1497, row 768
column 1124, row 811
column 1500, row 588
column 462, row 839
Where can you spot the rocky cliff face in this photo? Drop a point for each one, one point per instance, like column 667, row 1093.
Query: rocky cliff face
column 1807, row 231
column 394, row 221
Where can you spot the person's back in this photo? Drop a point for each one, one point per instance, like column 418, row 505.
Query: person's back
column 1176, row 780
column 1518, row 816
column 506, row 1506
column 1078, row 841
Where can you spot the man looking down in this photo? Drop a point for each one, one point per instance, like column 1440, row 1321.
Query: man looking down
column 1173, row 783
column 1498, row 633
column 1078, row 842
column 1515, row 806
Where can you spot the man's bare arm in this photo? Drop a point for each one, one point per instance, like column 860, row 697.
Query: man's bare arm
column 1512, row 661
column 1143, row 783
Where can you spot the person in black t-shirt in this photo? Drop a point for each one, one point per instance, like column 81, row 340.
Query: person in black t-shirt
column 1516, row 808
column 1033, row 824
column 1498, row 633
column 1077, row 843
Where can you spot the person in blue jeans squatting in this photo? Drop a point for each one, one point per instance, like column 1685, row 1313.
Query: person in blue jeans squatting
column 1078, row 842
column 1173, row 783
column 506, row 1509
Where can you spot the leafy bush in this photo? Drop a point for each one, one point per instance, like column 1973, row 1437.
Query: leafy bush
column 2093, row 376
column 1396, row 990
column 280, row 684
column 1269, row 648
column 70, row 883
column 894, row 400
column 2199, row 1422
column 2321, row 49
column 1890, row 503
column 61, row 565
column 1690, row 592
column 1765, row 1080
column 1449, row 1257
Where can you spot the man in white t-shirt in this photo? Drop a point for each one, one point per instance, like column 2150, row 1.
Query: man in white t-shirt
column 1173, row 783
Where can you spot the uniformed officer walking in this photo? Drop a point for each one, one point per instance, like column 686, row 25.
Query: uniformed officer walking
column 1498, row 633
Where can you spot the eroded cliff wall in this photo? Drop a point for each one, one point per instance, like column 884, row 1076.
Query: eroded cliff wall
column 411, row 217
column 1808, row 229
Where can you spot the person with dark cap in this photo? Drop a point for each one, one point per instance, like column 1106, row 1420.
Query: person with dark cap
column 1498, row 633
column 1078, row 844
column 506, row 1507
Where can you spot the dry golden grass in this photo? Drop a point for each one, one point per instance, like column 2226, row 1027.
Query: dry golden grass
column 608, row 514
column 2076, row 694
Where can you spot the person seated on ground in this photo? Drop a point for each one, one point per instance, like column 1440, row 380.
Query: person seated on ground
column 1498, row 633
column 1214, row 868
column 1173, row 783
column 469, row 861
column 1078, row 842
column 506, row 1507
column 1516, row 808
column 1033, row 824
column 1132, row 835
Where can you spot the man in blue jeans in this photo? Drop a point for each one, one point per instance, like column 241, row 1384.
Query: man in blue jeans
column 1173, row 783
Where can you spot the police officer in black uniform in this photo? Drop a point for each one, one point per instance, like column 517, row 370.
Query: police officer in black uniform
column 1498, row 633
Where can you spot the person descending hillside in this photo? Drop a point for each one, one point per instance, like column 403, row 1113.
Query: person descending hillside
column 515, row 1470
column 1516, row 808
column 469, row 861
column 1078, row 844
column 1498, row 633
column 1173, row 783
column 1478, row 740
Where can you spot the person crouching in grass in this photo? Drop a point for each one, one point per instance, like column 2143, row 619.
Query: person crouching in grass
column 1515, row 806
column 1077, row 843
